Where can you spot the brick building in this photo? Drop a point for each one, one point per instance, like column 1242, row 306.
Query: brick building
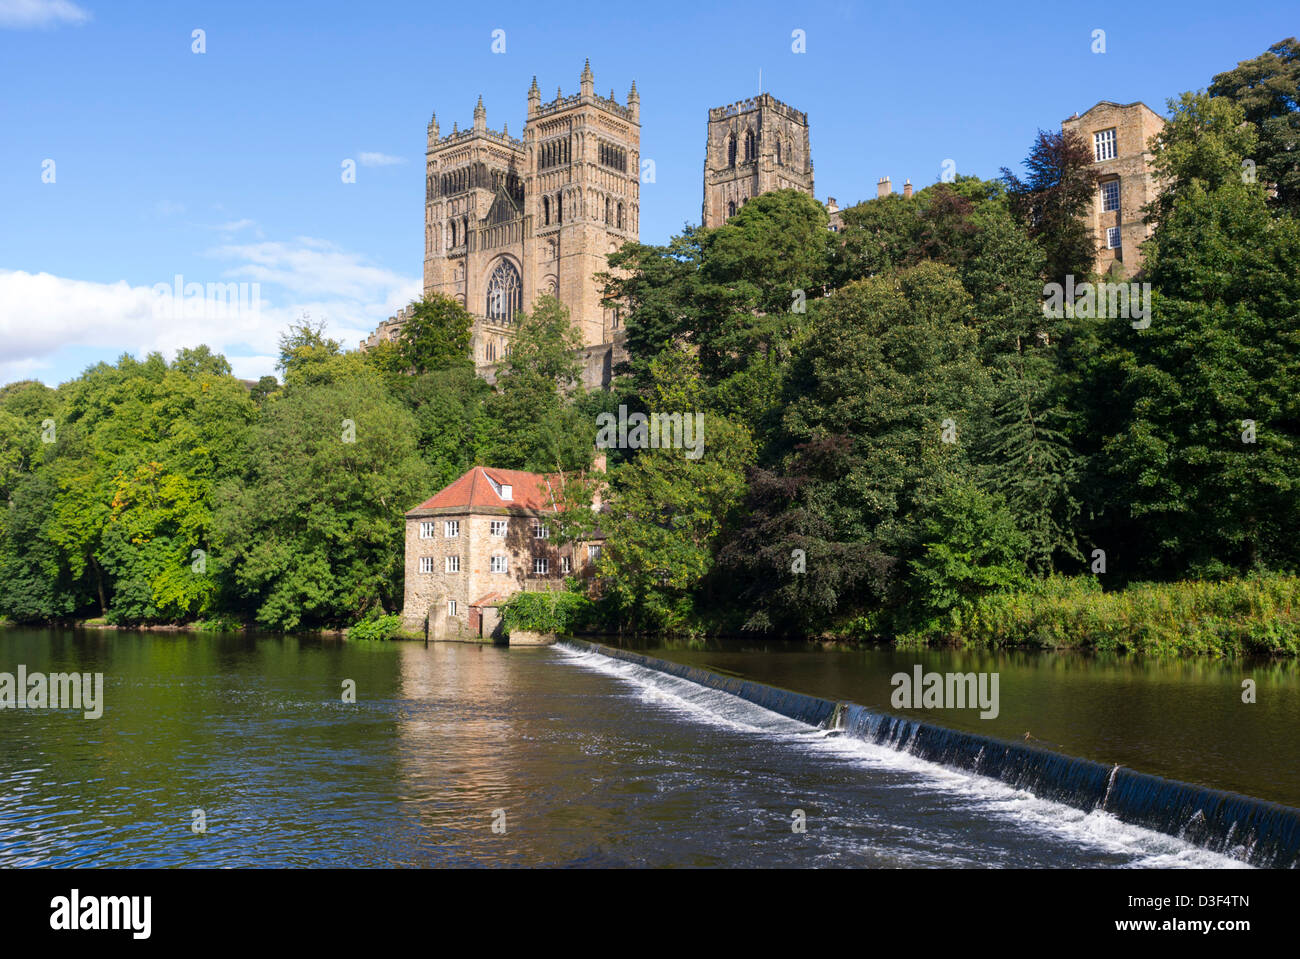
column 476, row 543
column 1120, row 137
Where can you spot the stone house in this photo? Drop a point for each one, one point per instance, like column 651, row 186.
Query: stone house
column 479, row 541
column 1120, row 137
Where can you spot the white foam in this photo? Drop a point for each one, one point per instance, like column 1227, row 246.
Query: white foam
column 987, row 797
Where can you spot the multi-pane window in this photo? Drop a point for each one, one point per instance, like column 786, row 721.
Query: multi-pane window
column 541, row 566
column 452, row 564
column 426, row 530
column 426, row 564
column 1103, row 144
column 1112, row 238
column 451, row 607
column 500, row 564
column 593, row 553
column 451, row 528
column 499, row 528
column 541, row 530
column 1110, row 195
column 566, row 565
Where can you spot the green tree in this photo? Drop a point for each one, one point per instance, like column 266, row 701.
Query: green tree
column 1267, row 88
column 1060, row 186
column 436, row 335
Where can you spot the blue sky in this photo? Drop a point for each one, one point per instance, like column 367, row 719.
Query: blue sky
column 225, row 166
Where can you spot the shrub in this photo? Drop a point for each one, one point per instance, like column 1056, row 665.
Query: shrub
column 376, row 626
column 546, row 612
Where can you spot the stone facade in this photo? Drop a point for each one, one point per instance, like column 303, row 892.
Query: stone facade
column 459, row 600
column 1120, row 137
column 753, row 146
column 508, row 220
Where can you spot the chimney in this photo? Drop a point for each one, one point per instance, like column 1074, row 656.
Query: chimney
column 830, row 205
column 884, row 187
column 907, row 190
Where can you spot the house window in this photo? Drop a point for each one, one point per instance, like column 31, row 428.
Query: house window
column 452, row 564
column 1103, row 144
column 490, row 351
column 546, row 211
column 593, row 553
column 451, row 528
column 751, row 147
column 731, row 208
column 500, row 564
column 731, row 150
column 426, row 530
column 1110, row 195
column 499, row 528
column 618, row 222
column 566, row 565
column 541, row 531
column 609, row 211
column 451, row 607
column 1112, row 238
column 426, row 564
column 541, row 566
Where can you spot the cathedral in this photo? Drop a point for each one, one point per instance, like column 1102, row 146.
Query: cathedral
column 507, row 220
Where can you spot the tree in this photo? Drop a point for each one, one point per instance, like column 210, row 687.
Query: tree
column 1211, row 424
column 533, row 425
column 669, row 509
column 1267, row 88
column 436, row 335
column 1202, row 144
column 1051, row 202
column 312, row 532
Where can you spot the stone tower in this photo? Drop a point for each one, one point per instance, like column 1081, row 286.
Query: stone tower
column 753, row 146
column 508, row 220
column 1120, row 136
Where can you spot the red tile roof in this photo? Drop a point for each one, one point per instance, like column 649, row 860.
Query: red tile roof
column 475, row 489
column 491, row 599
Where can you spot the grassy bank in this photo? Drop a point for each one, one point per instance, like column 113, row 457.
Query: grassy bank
column 1240, row 617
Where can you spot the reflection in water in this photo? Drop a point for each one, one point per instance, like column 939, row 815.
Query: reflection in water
column 593, row 765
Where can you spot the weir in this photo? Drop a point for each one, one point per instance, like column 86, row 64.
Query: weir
column 1254, row 830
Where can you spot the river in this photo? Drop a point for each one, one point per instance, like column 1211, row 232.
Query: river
column 458, row 755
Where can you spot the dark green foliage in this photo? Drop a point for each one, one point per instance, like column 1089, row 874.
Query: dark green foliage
column 560, row 612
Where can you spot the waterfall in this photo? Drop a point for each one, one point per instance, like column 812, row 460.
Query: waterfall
column 1254, row 830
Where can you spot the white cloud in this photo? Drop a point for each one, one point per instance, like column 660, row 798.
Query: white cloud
column 235, row 226
column 26, row 14
column 42, row 315
column 380, row 159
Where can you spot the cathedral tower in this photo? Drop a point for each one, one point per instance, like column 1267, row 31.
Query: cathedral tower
column 508, row 220
column 753, row 146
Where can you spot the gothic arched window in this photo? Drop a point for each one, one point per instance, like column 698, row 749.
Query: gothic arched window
column 731, row 208
column 620, row 217
column 546, row 211
column 751, row 151
column 453, row 233
column 559, row 208
column 504, row 293
column 731, row 150
column 609, row 211
column 490, row 351
column 778, row 153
